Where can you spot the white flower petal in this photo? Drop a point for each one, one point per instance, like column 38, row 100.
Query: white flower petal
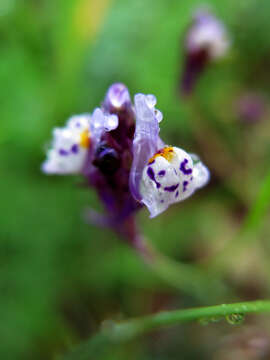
column 69, row 147
column 170, row 176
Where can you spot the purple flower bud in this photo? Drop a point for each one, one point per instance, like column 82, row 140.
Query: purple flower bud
column 207, row 33
column 206, row 40
column 117, row 98
column 117, row 101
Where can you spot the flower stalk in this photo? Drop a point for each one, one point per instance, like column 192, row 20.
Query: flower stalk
column 113, row 333
column 189, row 279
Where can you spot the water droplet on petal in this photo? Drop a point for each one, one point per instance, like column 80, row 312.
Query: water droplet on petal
column 111, row 122
column 151, row 100
column 159, row 115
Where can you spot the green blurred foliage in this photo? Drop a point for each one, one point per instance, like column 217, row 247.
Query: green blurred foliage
column 59, row 277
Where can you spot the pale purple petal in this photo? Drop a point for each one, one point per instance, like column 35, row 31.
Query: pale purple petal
column 146, row 140
column 100, row 123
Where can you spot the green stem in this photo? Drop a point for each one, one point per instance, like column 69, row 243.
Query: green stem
column 114, row 333
column 190, row 279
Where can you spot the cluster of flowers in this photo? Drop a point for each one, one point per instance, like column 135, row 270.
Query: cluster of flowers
column 119, row 152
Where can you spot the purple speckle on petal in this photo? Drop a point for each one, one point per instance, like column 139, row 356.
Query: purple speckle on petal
column 185, row 184
column 78, row 124
column 162, row 173
column 74, row 148
column 63, row 152
column 162, row 201
column 171, row 188
column 151, row 174
column 177, row 193
column 184, row 169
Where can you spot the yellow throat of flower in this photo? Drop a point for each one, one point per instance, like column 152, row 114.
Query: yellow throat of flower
column 167, row 153
column 85, row 139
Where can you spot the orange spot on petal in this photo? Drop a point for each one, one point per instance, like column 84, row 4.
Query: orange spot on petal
column 85, row 139
column 166, row 152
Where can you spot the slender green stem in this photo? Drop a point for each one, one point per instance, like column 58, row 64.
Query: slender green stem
column 114, row 333
column 189, row 279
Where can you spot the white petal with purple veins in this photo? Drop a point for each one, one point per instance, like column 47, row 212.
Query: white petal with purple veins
column 69, row 147
column 169, row 177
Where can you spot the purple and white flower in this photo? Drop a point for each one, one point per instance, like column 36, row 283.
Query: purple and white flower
column 120, row 154
column 69, row 147
column 161, row 175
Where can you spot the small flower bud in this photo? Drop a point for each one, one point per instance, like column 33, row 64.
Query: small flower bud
column 117, row 98
column 207, row 33
column 206, row 40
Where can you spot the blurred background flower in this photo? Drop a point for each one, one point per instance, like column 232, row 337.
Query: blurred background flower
column 60, row 278
column 206, row 41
